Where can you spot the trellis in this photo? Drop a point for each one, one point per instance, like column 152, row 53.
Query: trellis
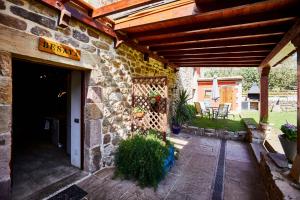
column 155, row 117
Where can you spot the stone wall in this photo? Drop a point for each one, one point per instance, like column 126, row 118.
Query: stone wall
column 5, row 123
column 187, row 80
column 108, row 98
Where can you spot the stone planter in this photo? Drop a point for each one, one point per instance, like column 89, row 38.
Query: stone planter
column 289, row 147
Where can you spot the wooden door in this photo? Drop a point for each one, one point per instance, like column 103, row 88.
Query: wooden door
column 227, row 95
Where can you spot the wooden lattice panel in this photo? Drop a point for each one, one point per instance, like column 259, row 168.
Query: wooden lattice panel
column 156, row 117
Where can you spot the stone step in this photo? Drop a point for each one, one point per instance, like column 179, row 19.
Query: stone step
column 257, row 149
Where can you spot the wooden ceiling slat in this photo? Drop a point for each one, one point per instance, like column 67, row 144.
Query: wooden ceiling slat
column 219, row 55
column 204, row 52
column 221, row 62
column 219, row 44
column 257, row 37
column 225, row 34
column 260, row 47
column 216, row 65
column 210, row 5
column 216, row 59
column 185, row 19
column 119, row 6
column 290, row 35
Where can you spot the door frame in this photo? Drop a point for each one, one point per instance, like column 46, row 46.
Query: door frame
column 82, row 106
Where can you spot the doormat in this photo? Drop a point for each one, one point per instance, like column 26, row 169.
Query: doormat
column 71, row 193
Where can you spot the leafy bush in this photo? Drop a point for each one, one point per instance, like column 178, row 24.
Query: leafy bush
column 290, row 131
column 142, row 158
column 183, row 111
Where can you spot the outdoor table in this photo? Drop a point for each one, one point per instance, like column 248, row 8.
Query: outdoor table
column 212, row 110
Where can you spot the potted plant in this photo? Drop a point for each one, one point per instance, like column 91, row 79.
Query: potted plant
column 183, row 112
column 155, row 98
column 139, row 112
column 288, row 140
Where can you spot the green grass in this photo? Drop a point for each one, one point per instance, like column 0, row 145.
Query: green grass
column 231, row 124
column 275, row 118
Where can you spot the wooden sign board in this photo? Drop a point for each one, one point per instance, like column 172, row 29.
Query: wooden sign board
column 58, row 49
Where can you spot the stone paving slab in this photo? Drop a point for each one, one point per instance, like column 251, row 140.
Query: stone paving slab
column 192, row 177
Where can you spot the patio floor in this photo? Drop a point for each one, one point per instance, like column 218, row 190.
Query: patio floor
column 201, row 172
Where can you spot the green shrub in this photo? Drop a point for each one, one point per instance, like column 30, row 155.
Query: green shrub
column 142, row 158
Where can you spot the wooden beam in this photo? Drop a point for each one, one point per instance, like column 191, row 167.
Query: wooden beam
column 217, row 59
column 119, row 6
column 104, row 28
column 84, row 4
column 290, row 35
column 220, row 62
column 219, row 43
column 235, row 32
column 82, row 17
column 215, row 65
column 208, row 29
column 210, row 5
column 254, row 54
column 259, row 47
column 181, row 16
column 235, row 39
column 210, row 53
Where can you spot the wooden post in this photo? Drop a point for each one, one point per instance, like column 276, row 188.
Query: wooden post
column 295, row 171
column 264, row 92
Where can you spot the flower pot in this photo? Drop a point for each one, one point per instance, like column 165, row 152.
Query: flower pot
column 139, row 115
column 176, row 129
column 289, row 147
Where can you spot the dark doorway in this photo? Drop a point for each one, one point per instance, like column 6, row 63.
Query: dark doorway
column 41, row 143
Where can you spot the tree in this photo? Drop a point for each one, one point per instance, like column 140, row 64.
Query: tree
column 280, row 78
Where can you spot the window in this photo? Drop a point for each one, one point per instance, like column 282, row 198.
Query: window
column 207, row 93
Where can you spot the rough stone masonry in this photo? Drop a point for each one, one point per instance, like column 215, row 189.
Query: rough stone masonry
column 108, row 100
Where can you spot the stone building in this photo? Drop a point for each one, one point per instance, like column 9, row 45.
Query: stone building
column 98, row 87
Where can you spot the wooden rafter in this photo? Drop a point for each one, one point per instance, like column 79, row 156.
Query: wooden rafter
column 245, row 48
column 217, row 59
column 219, row 44
column 209, row 5
column 225, row 34
column 177, row 17
column 290, row 35
column 119, row 6
column 266, row 37
column 253, row 54
column 102, row 26
column 226, row 27
column 82, row 17
column 216, row 65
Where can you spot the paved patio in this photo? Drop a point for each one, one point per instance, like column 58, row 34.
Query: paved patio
column 198, row 174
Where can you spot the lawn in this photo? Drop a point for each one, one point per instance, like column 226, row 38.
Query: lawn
column 275, row 118
column 230, row 124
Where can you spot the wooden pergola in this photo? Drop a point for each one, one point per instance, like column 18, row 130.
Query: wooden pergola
column 202, row 33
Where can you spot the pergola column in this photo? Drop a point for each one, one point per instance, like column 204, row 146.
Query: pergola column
column 295, row 171
column 264, row 92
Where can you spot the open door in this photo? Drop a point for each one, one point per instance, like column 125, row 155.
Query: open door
column 75, row 118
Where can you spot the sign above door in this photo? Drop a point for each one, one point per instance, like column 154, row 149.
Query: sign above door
column 59, row 49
